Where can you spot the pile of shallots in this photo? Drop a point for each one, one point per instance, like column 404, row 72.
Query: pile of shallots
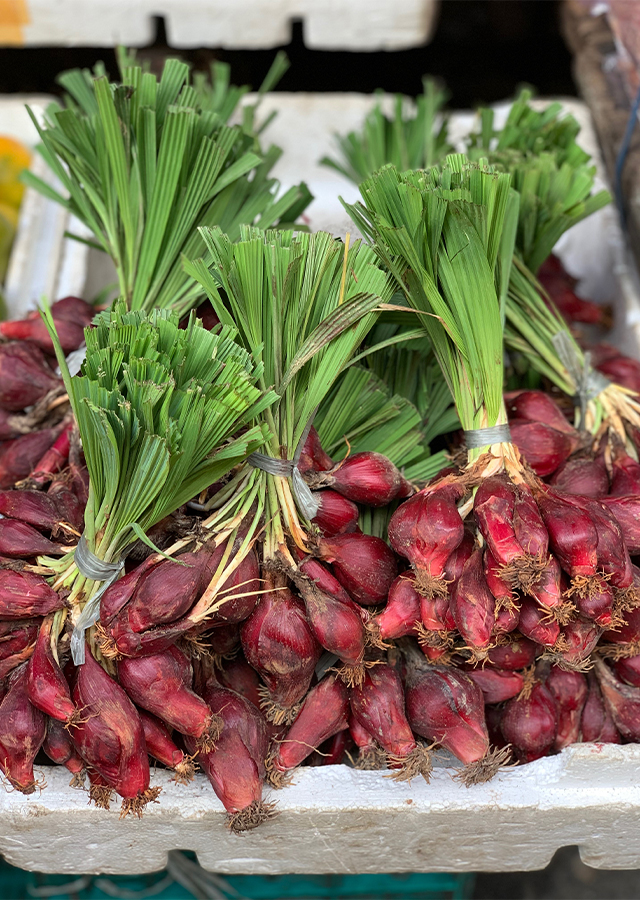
column 499, row 619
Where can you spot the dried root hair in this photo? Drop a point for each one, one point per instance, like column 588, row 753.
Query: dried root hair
column 207, row 741
column 106, row 643
column 78, row 779
column 276, row 777
column 428, row 585
column 184, row 772
column 371, row 760
column 274, row 712
column 418, row 762
column 524, row 572
column 483, row 770
column 101, row 795
column 133, row 806
column 251, row 816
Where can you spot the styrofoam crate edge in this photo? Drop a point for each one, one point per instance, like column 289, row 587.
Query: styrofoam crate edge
column 339, row 820
column 331, row 25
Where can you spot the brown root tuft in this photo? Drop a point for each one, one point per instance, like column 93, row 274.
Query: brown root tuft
column 106, row 643
column 569, row 665
column 371, row 760
column 101, row 795
column 418, row 762
column 274, row 712
column 78, row 779
column 586, row 585
column 437, row 640
column 619, row 651
column 563, row 613
column 207, row 741
column 183, row 773
column 372, row 635
column 528, row 681
column 484, row 769
column 134, row 805
column 626, row 600
column 276, row 777
column 429, row 586
column 251, row 816
column 524, row 572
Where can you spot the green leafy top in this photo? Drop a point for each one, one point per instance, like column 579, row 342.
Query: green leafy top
column 553, row 198
column 408, row 141
column 362, row 410
column 157, row 408
column 531, row 131
column 145, row 162
column 305, row 300
column 448, row 235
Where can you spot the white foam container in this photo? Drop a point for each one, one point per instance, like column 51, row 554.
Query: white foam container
column 335, row 819
column 330, row 25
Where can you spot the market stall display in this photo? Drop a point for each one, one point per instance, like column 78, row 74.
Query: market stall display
column 286, row 597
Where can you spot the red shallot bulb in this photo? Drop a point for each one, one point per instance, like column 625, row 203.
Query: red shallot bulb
column 587, row 477
column 111, row 738
column 363, row 564
column 368, row 478
column 22, row 732
column 570, row 691
column 336, row 514
column 161, row 684
column 426, row 530
column 530, row 723
column 236, row 767
column 279, row 643
column 596, row 723
column 621, row 700
column 323, row 714
column 542, row 447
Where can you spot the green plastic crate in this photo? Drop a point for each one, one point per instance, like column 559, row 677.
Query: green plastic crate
column 17, row 884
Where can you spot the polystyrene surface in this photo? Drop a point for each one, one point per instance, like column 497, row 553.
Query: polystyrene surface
column 332, row 24
column 339, row 820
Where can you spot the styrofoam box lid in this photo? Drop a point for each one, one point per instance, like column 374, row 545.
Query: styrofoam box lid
column 330, row 25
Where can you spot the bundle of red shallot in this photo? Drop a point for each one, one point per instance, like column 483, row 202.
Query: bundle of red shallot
column 110, row 738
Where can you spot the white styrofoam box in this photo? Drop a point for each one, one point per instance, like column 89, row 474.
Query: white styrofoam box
column 336, row 819
column 339, row 820
column 43, row 261
column 330, row 25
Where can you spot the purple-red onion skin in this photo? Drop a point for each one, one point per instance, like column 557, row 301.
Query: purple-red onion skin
column 596, row 722
column 323, row 714
column 110, row 738
column 530, row 724
column 622, row 702
column 445, row 705
column 427, row 528
column 236, row 767
column 473, row 605
column 587, row 477
column 47, row 688
column 570, row 691
column 22, row 733
column 378, row 705
column 363, row 564
column 279, row 643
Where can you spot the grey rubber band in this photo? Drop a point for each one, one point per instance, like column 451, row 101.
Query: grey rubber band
column 484, row 437
column 91, row 566
column 588, row 381
column 288, row 468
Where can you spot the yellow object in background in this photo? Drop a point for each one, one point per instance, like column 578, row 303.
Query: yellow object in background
column 14, row 158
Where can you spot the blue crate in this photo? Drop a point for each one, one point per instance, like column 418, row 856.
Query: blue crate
column 17, row 884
